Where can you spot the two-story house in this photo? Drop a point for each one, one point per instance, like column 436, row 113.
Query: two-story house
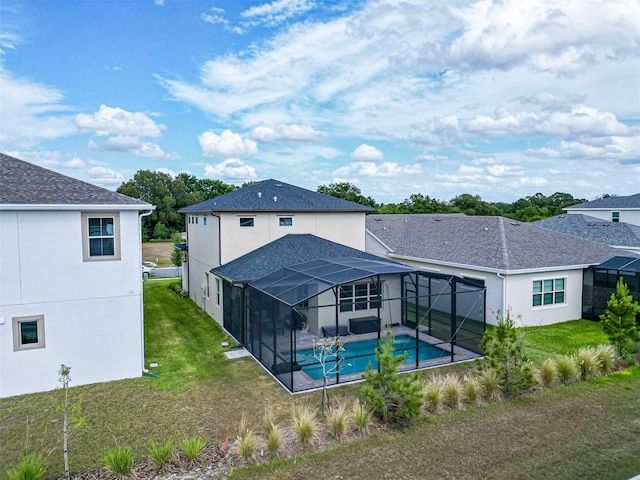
column 615, row 209
column 70, row 280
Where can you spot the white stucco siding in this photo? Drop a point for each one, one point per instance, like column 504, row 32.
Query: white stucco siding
column 42, row 259
column 100, row 339
column 344, row 228
column 627, row 216
column 520, row 298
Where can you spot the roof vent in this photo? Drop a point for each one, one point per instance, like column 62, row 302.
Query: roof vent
column 486, row 229
column 438, row 219
column 277, row 184
column 591, row 224
column 514, row 223
column 377, row 219
column 275, row 199
column 259, row 194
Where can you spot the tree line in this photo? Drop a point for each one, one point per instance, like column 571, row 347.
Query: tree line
column 169, row 194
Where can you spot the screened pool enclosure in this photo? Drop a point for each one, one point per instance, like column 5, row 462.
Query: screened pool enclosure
column 435, row 318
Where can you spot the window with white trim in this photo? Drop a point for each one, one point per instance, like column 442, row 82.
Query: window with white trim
column 615, row 216
column 285, row 221
column 549, row 291
column 246, row 221
column 359, row 296
column 28, row 332
column 100, row 236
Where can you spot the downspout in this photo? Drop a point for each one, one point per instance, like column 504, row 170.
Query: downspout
column 504, row 293
column 144, row 370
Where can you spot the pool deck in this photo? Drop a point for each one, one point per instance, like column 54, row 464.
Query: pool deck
column 302, row 381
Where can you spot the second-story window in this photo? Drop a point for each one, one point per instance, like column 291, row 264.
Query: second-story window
column 246, row 221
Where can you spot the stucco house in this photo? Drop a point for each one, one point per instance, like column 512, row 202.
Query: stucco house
column 70, row 280
column 615, row 209
column 535, row 272
column 621, row 235
column 280, row 267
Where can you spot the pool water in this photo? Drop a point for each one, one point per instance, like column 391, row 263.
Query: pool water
column 358, row 354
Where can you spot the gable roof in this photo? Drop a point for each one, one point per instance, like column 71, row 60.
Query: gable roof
column 610, row 203
column 618, row 234
column 283, row 252
column 485, row 242
column 25, row 184
column 273, row 195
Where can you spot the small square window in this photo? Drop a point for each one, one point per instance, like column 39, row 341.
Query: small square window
column 28, row 332
column 285, row 221
column 615, row 216
column 246, row 222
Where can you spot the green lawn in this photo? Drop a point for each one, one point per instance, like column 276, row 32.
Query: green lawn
column 200, row 392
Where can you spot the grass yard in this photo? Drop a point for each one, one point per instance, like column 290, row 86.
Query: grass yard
column 562, row 433
column 589, row 430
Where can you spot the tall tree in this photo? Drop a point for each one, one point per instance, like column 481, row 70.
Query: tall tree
column 347, row 191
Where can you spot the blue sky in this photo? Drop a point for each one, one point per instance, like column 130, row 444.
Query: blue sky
column 501, row 99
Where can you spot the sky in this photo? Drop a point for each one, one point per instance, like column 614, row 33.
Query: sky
column 502, row 99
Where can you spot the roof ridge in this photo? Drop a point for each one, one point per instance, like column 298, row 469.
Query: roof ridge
column 503, row 242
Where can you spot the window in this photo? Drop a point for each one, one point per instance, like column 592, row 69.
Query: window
column 246, row 222
column 615, row 216
column 359, row 296
column 28, row 332
column 206, row 288
column 285, row 221
column 218, row 291
column 100, row 236
column 204, row 221
column 548, row 292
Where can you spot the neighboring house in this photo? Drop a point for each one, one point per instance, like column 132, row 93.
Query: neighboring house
column 537, row 273
column 227, row 227
column 620, row 235
column 70, row 280
column 615, row 209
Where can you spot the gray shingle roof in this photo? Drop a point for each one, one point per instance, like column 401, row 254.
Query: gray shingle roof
column 495, row 243
column 619, row 234
column 610, row 203
column 23, row 183
column 273, row 195
column 288, row 250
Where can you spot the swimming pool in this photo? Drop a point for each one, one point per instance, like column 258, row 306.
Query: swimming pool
column 361, row 352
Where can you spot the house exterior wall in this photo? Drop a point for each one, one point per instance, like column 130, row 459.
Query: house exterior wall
column 92, row 309
column 627, row 216
column 221, row 239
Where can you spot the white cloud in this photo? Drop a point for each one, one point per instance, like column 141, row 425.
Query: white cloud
column 31, row 112
column 276, row 12
column 132, row 144
column 367, row 153
column 116, row 121
column 227, row 144
column 168, row 171
column 291, row 132
column 371, row 169
column 231, row 168
column 75, row 162
column 105, row 176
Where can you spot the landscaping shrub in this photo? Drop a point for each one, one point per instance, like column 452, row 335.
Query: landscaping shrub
column 192, row 447
column 607, row 358
column 490, row 383
column 160, row 454
column 338, row 421
column 244, row 429
column 588, row 362
column 452, row 392
column 269, row 419
column 432, row 396
column 247, row 446
column 304, row 423
column 362, row 417
column 31, row 467
column 119, row 460
column 567, row 369
column 472, row 390
column 274, row 440
column 548, row 372
column 176, row 287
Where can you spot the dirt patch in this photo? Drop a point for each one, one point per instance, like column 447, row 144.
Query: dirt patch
column 157, row 252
